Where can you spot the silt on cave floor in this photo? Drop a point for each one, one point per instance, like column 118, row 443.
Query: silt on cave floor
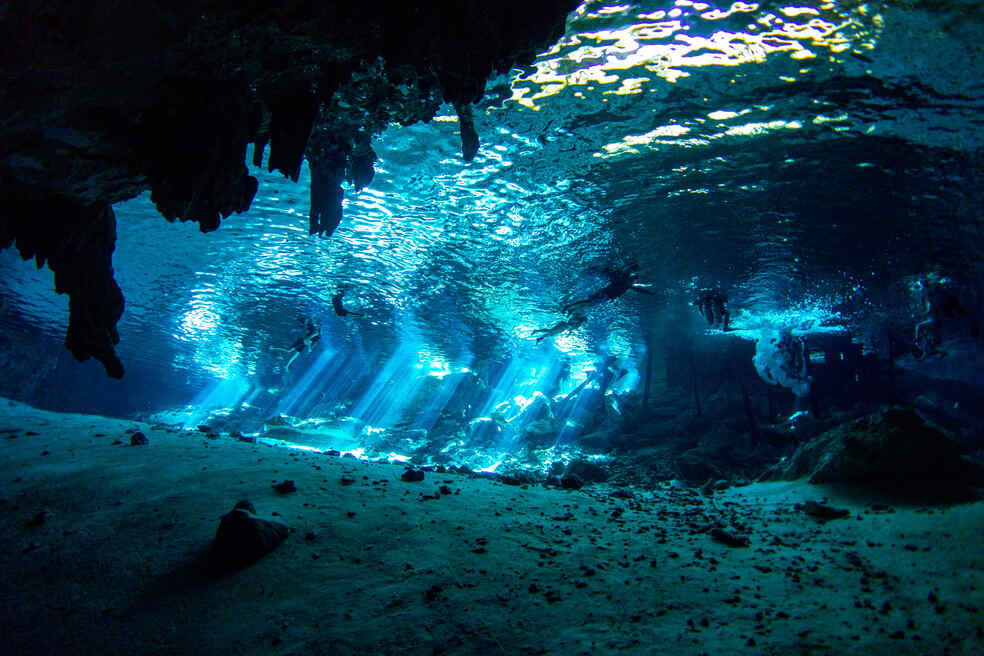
column 105, row 550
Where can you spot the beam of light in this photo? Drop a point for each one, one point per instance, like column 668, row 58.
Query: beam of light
column 574, row 411
column 578, row 407
column 307, row 383
column 503, row 385
column 289, row 445
column 220, row 395
column 392, row 389
column 526, row 383
column 626, row 383
column 351, row 373
column 432, row 411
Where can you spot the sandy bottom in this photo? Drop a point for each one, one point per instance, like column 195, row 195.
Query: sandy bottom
column 103, row 544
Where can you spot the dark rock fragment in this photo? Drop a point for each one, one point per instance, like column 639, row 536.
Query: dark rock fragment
column 243, row 538
column 246, row 505
column 40, row 518
column 587, row 471
column 469, row 136
column 694, row 466
column 571, row 482
column 285, row 487
column 412, row 476
column 518, row 478
column 728, row 538
column 138, row 439
column 822, row 511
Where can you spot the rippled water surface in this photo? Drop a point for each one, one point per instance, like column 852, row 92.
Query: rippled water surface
column 805, row 158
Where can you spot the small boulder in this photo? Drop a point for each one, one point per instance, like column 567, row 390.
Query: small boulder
column 138, row 439
column 571, row 482
column 728, row 538
column 694, row 466
column 243, row 538
column 285, row 487
column 822, row 511
column 246, row 505
column 412, row 476
column 587, row 471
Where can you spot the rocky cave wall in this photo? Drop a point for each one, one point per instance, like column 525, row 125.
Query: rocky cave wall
column 104, row 100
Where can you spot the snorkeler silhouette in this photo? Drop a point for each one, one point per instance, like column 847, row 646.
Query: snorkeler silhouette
column 311, row 336
column 336, row 302
column 712, row 305
column 561, row 327
column 619, row 282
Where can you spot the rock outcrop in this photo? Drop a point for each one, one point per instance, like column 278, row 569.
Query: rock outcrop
column 105, row 100
column 895, row 449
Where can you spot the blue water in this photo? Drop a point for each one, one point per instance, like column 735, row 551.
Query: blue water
column 809, row 160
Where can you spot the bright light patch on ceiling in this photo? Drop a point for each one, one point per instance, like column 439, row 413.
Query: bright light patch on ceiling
column 750, row 129
column 736, row 8
column 792, row 12
column 661, row 44
column 616, row 9
column 630, row 143
column 198, row 322
column 820, row 119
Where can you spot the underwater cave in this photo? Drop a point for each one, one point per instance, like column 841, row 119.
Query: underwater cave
column 463, row 327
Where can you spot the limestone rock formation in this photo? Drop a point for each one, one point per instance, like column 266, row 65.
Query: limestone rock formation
column 893, row 449
column 105, row 100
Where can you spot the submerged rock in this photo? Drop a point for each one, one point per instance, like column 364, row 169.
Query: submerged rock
column 587, row 471
column 822, row 511
column 728, row 538
column 694, row 466
column 285, row 487
column 892, row 448
column 540, row 432
column 412, row 476
column 571, row 482
column 243, row 538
